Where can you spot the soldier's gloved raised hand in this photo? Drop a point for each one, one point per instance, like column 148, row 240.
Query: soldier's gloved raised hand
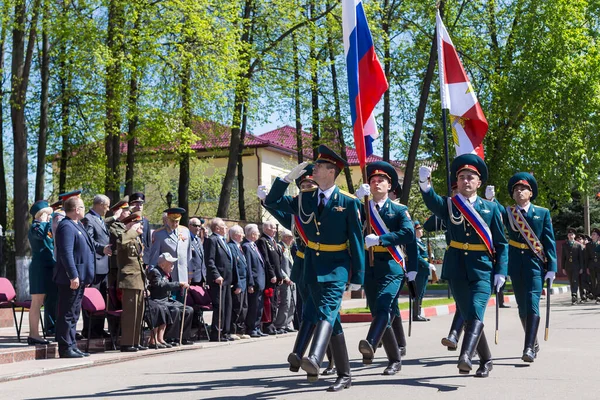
column 363, row 190
column 490, row 192
column 499, row 281
column 411, row 275
column 296, row 172
column 550, row 275
column 371, row 240
column 432, row 267
column 262, row 192
column 425, row 178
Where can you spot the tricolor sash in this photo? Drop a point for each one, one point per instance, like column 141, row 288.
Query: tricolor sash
column 300, row 229
column 380, row 229
column 531, row 239
column 473, row 217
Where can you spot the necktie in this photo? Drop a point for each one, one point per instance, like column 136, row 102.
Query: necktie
column 321, row 203
column 522, row 211
column 377, row 207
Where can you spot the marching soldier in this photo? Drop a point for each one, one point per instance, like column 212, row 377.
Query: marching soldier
column 422, row 273
column 132, row 281
column 477, row 255
column 392, row 227
column 532, row 253
column 330, row 218
column 593, row 263
column 572, row 263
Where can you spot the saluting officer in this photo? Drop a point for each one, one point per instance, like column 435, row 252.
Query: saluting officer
column 331, row 220
column 477, row 255
column 392, row 227
column 531, row 255
column 572, row 262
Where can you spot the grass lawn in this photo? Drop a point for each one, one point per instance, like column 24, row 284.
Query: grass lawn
column 403, row 306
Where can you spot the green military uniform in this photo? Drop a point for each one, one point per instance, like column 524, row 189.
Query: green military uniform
column 572, row 262
column 328, row 265
column 422, row 276
column 469, row 268
column 593, row 265
column 131, row 279
column 525, row 268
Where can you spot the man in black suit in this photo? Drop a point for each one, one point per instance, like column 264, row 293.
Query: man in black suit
column 256, row 281
column 239, row 304
column 273, row 257
column 96, row 228
column 137, row 201
column 197, row 266
column 73, row 271
column 219, row 269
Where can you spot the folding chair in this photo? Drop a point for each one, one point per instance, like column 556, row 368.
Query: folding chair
column 7, row 300
column 201, row 303
column 94, row 304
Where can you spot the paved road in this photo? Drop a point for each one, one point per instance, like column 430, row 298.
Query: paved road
column 567, row 366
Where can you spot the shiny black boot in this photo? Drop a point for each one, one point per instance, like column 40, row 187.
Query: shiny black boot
column 392, row 351
column 330, row 369
column 485, row 358
column 417, row 312
column 399, row 333
column 470, row 340
column 302, row 340
column 531, row 329
column 367, row 346
column 451, row 342
column 340, row 356
column 312, row 363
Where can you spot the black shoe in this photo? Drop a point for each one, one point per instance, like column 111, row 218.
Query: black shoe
column 35, row 341
column 419, row 318
column 187, row 342
column 485, row 357
column 254, row 334
column 280, row 331
column 79, row 336
column 367, row 346
column 390, row 346
column 393, row 368
column 503, row 306
column 290, row 330
column 330, row 370
column 262, row 334
column 531, row 329
column 166, row 345
column 70, row 353
column 141, row 348
column 83, row 353
column 402, row 351
column 128, row 349
column 484, row 369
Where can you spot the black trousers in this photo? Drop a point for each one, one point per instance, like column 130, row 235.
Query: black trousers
column 176, row 310
column 239, row 311
column 69, row 308
column 255, row 307
column 101, row 283
column 220, row 305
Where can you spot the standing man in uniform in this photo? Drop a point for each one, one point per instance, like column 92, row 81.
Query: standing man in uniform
column 532, row 253
column 572, row 262
column 331, row 221
column 593, row 263
column 422, row 274
column 476, row 260
column 197, row 267
column 137, row 201
column 392, row 227
column 116, row 227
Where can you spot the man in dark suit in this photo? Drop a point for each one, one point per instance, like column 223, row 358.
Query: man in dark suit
column 197, row 266
column 239, row 296
column 137, row 201
column 255, row 282
column 273, row 257
column 219, row 269
column 96, row 228
column 73, row 271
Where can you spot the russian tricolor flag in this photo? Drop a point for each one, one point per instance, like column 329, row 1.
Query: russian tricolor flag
column 366, row 79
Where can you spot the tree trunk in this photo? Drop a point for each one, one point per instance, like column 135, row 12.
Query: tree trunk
column 65, row 111
column 297, row 99
column 414, row 144
column 3, row 194
column 314, row 87
column 387, row 64
column 184, row 162
column 40, row 173
column 131, row 132
column 240, row 168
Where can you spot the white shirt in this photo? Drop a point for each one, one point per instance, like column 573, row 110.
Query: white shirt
column 327, row 194
column 526, row 208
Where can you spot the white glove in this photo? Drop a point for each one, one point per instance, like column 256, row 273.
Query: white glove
column 432, row 267
column 371, row 240
column 411, row 275
column 363, row 190
column 354, row 287
column 424, row 176
column 262, row 192
column 296, row 172
column 490, row 192
column 550, row 275
column 499, row 281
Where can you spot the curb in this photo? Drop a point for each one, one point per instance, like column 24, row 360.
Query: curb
column 557, row 290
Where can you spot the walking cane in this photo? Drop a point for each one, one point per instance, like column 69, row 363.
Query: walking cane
column 220, row 308
column 183, row 317
column 549, row 290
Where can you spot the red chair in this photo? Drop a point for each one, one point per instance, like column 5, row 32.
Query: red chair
column 7, row 300
column 94, row 304
column 201, row 302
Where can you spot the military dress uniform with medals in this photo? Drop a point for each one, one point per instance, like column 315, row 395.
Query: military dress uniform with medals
column 572, row 263
column 115, row 229
column 477, row 252
column 532, row 253
column 331, row 228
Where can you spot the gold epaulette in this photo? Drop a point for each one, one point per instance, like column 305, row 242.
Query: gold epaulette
column 347, row 194
column 398, row 202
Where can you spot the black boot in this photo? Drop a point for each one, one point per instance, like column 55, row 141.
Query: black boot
column 536, row 345
column 302, row 339
column 485, row 358
column 531, row 329
column 417, row 312
column 392, row 351
column 573, row 299
column 451, row 342
column 340, row 356
column 470, row 340
column 330, row 370
column 399, row 333
column 367, row 347
column 312, row 363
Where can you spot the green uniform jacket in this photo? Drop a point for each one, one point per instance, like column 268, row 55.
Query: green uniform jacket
column 572, row 256
column 540, row 222
column 475, row 265
column 423, row 257
column 131, row 271
column 339, row 223
column 42, row 244
column 592, row 251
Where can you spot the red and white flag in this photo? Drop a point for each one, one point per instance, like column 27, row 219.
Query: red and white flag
column 468, row 123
